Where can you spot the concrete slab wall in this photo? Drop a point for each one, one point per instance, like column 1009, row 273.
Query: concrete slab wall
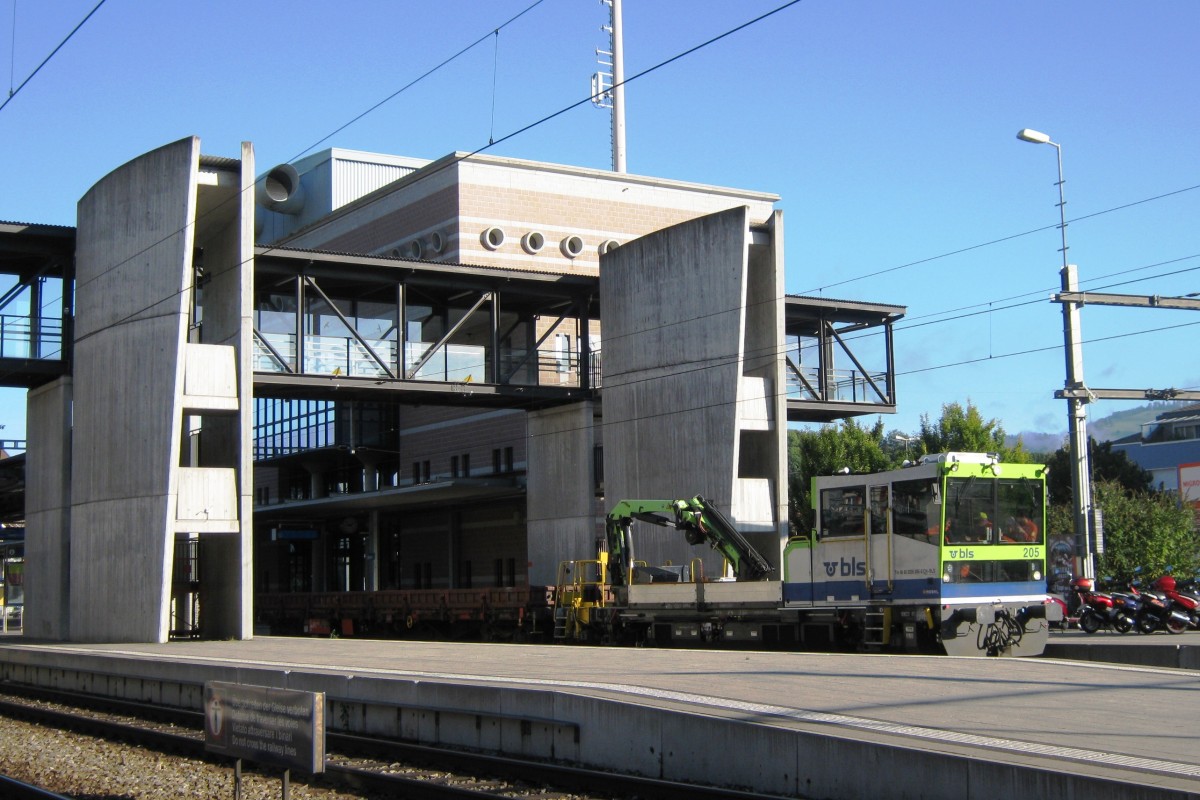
column 762, row 447
column 674, row 336
column 133, row 261
column 226, row 235
column 561, row 519
column 48, row 512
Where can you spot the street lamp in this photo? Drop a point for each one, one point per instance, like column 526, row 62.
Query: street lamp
column 906, row 440
column 1076, row 389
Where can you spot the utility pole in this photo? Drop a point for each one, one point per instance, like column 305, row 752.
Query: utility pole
column 608, row 88
column 1078, row 396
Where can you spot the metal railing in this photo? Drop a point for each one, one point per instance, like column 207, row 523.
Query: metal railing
column 453, row 363
column 841, row 386
column 18, row 339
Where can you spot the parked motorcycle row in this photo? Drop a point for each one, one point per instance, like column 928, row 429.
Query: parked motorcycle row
column 1167, row 605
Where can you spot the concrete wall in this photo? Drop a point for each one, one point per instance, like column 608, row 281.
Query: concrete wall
column 140, row 389
column 689, row 318
column 226, row 235
column 48, row 512
column 133, row 258
column 561, row 519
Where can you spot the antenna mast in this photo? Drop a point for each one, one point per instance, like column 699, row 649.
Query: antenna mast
column 608, row 87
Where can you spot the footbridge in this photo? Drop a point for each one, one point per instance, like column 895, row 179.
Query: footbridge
column 349, row 326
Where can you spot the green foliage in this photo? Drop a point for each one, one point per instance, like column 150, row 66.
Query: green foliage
column 824, row 452
column 1145, row 529
column 1060, row 520
column 1107, row 466
column 964, row 430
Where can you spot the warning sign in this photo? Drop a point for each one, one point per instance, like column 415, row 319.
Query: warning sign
column 284, row 727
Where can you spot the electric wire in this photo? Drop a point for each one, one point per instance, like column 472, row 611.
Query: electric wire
column 13, row 93
column 1008, row 238
column 651, row 69
column 452, row 161
column 12, row 52
column 417, row 80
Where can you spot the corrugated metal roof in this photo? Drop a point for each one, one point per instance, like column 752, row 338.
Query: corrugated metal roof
column 839, row 302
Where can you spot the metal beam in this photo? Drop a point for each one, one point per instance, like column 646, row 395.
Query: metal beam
column 483, row 298
column 274, row 353
column 796, row 371
column 1087, row 394
column 866, row 375
column 353, row 331
column 537, row 346
column 1132, row 300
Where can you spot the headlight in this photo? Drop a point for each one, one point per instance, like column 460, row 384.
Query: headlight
column 1037, row 574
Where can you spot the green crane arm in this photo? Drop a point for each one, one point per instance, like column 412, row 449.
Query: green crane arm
column 696, row 518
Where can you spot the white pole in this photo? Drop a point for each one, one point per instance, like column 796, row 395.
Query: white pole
column 618, row 112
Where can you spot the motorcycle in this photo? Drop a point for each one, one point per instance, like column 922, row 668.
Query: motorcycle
column 1158, row 612
column 1184, row 602
column 1100, row 610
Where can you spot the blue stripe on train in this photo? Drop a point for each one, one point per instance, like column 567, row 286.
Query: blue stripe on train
column 926, row 589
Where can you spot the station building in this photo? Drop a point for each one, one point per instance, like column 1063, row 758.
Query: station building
column 363, row 374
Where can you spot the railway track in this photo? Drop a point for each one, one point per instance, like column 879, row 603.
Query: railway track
column 371, row 767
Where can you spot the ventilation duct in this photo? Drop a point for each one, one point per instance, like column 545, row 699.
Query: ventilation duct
column 572, row 246
column 533, row 242
column 415, row 250
column 437, row 242
column 281, row 191
column 492, row 238
column 608, row 245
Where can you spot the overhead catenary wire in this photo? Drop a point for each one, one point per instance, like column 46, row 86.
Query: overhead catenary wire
column 1008, row 238
column 457, row 159
column 661, row 64
column 13, row 92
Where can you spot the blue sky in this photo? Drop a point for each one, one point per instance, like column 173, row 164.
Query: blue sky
column 888, row 130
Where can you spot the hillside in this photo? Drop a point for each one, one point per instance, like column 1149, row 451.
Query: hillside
column 1104, row 429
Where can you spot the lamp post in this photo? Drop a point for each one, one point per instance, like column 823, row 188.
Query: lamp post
column 907, row 440
column 1081, row 483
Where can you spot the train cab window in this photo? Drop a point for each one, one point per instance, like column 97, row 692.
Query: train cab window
column 843, row 511
column 970, row 511
column 1020, row 511
column 917, row 509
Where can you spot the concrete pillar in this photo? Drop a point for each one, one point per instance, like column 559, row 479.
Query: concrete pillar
column 48, row 512
column 562, row 511
column 371, row 568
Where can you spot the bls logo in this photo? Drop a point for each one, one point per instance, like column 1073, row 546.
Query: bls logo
column 962, row 553
column 848, row 569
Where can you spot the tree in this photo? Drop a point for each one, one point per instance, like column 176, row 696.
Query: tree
column 1145, row 529
column 824, row 452
column 1107, row 466
column 964, row 430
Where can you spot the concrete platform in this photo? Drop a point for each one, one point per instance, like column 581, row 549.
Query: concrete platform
column 795, row 724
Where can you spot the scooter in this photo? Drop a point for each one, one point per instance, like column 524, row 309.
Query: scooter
column 1183, row 602
column 1159, row 613
column 1100, row 610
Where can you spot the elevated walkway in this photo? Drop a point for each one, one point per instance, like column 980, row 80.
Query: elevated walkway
column 793, row 724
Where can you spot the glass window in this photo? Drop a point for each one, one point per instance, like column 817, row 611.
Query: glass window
column 1020, row 512
column 991, row 571
column 970, row 510
column 843, row 511
column 879, row 508
column 917, row 509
